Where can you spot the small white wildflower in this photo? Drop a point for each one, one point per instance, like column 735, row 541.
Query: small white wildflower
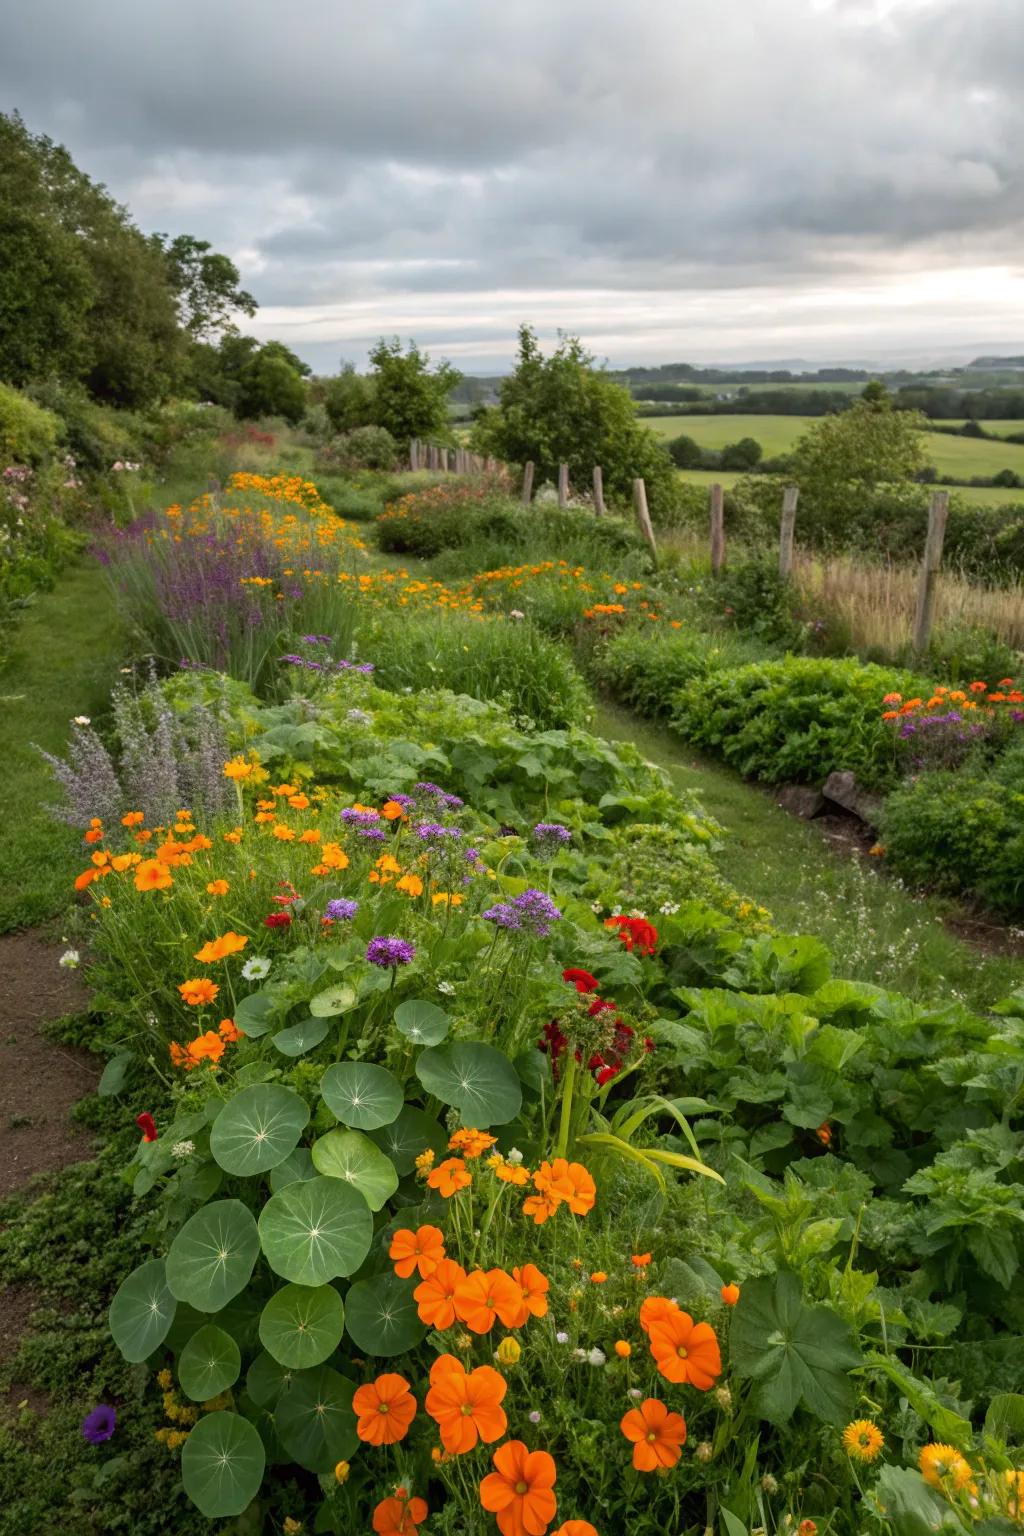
column 358, row 717
column 82, row 720
column 579, row 1354
column 447, row 988
column 635, row 912
column 596, row 906
column 669, row 908
column 597, row 1356
column 516, row 613
column 635, row 1394
column 126, row 671
column 514, row 1156
column 562, row 1338
column 152, row 1020
column 70, row 960
column 256, row 968
column 534, row 1417
column 183, row 1149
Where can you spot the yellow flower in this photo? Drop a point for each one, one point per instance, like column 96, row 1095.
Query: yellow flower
column 862, row 1440
column 940, row 1464
column 341, row 1472
column 165, row 1380
column 412, row 885
column 238, row 769
column 508, row 1351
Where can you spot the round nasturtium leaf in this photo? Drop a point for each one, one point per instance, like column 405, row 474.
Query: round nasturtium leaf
column 254, row 1014
column 301, row 1037
column 315, row 1230
column 297, row 1165
column 334, row 1000
column 257, row 1128
column 315, row 1420
column 301, row 1325
column 213, row 1255
column 477, row 1080
column 266, row 1381
column 222, row 1464
column 361, row 1095
column 381, row 1315
column 412, row 1133
column 142, row 1312
column 351, row 1156
column 209, row 1363
column 421, row 1022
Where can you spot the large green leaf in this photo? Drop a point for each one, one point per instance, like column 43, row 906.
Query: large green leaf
column 266, row 1381
column 480, row 1082
column 209, row 1363
column 362, row 1096
column 315, row 1420
column 213, row 1255
column 794, row 1353
column 222, row 1464
column 142, row 1311
column 333, row 1001
column 906, row 1504
column 258, row 1128
column 254, row 1014
column 412, row 1133
column 297, row 1165
column 315, row 1230
column 301, row 1325
column 353, row 1157
column 1004, row 1419
column 948, row 1426
column 421, row 1022
column 301, row 1037
column 381, row 1315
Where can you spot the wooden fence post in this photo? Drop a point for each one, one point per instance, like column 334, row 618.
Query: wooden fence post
column 717, row 529
column 563, row 485
column 414, row 454
column 598, row 491
column 527, row 482
column 790, row 496
column 643, row 517
column 938, row 511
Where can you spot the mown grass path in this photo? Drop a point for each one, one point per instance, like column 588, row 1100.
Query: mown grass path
column 876, row 930
column 64, row 660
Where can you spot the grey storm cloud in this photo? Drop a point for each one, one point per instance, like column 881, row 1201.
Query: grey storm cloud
column 450, row 163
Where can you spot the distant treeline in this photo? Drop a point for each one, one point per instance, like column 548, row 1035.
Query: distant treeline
column 937, row 402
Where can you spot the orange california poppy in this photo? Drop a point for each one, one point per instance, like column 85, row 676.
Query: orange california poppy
column 151, row 875
column 421, row 1250
column 485, row 1296
column 411, row 885
column 576, row 1528
column 686, row 1351
column 86, row 878
column 435, row 1296
column 657, row 1435
column 655, row 1309
column 520, row 1491
column 384, row 1408
column 133, row 819
column 466, row 1404
column 218, row 888
column 198, row 991
column 640, row 1260
column 229, row 943
column 391, row 810
column 534, row 1287
column 399, row 1515
column 449, row 1177
column 730, row 1294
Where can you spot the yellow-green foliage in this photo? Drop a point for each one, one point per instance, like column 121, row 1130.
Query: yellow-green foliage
column 28, row 434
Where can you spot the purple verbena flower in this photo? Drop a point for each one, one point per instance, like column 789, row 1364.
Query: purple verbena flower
column 389, row 953
column 551, row 835
column 504, row 916
column 99, row 1425
column 538, row 911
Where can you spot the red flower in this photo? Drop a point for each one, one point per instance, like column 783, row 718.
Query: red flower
column 635, row 933
column 581, row 980
column 147, row 1125
column 605, row 1075
column 277, row 920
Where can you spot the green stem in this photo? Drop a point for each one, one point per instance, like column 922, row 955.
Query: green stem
column 567, row 1093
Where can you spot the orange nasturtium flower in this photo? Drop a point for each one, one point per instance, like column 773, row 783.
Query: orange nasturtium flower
column 449, row 1177
column 561, row 1180
column 421, row 1250
column 229, row 943
column 198, row 991
column 486, row 1296
column 730, row 1294
column 152, row 875
column 686, row 1351
column 399, row 1515
column 466, row 1404
column 520, row 1491
column 218, row 888
column 384, row 1409
column 435, row 1296
column 575, row 1528
column 657, row 1435
column 470, row 1142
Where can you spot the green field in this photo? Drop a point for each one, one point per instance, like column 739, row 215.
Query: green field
column 997, row 428
column 980, row 495
column 961, row 457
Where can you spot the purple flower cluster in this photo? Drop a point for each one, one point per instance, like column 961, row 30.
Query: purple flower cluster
column 444, row 800
column 373, row 834
column 405, row 801
column 551, row 835
column 436, row 832
column 354, row 818
column 340, row 910
column 99, row 1425
column 389, row 953
column 533, row 912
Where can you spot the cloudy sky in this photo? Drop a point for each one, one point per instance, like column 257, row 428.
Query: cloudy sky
column 672, row 179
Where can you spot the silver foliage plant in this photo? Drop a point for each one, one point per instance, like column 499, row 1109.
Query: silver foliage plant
column 157, row 762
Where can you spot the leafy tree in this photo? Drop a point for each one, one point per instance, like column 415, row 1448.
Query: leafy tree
column 563, row 410
column 409, row 399
column 875, row 393
column 270, row 385
column 350, row 400
column 685, row 452
column 872, row 444
column 205, row 284
column 742, row 455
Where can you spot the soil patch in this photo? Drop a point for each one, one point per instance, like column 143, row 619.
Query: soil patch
column 40, row 1081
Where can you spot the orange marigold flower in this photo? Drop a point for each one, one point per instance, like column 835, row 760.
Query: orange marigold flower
column 399, row 1515
column 209, row 1047
column 623, row 1348
column 466, row 1404
column 893, row 698
column 229, row 943
column 940, row 1464
column 333, row 856
column 534, row 1287
column 977, row 687
column 234, row 836
column 520, row 1491
column 238, row 769
column 598, row 1277
column 384, row 1409
column 640, row 1260
column 420, row 1251
column 199, row 843
column 218, row 888
column 389, row 864
column 449, row 1177
column 658, row 1436
column 152, row 875
column 471, row 1143
column 198, row 991
column 133, row 819
column 229, row 1031
column 686, row 1351
column 435, row 1296
column 284, row 834
column 890, row 714
column 411, row 885
column 486, row 1296
column 863, row 1440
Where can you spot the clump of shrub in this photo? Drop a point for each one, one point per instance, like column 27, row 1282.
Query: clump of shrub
column 645, row 668
column 361, row 448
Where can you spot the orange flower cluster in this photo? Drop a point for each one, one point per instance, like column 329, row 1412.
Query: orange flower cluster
column 683, row 1351
column 1006, row 692
column 478, row 1299
column 557, row 1183
column 207, row 1047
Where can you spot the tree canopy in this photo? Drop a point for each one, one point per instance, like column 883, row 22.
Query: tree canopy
column 409, row 400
